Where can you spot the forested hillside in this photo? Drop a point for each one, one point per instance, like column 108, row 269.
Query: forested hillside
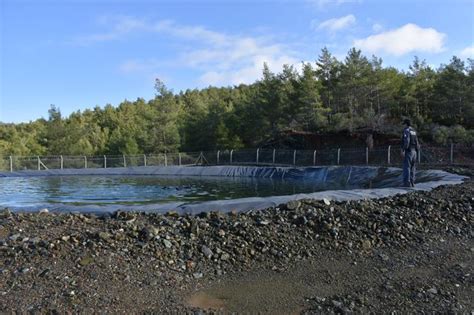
column 325, row 96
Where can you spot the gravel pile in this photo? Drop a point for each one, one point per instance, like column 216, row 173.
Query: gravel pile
column 58, row 262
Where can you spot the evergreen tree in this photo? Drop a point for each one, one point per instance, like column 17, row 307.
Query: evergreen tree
column 310, row 113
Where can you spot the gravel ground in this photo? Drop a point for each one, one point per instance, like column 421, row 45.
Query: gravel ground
column 405, row 253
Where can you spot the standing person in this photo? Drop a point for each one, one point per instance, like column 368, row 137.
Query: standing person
column 410, row 150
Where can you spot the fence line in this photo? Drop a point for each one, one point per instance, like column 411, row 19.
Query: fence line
column 386, row 156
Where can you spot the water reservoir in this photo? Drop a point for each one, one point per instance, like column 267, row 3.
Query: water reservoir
column 197, row 188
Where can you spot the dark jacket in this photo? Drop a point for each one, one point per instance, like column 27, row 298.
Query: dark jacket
column 410, row 140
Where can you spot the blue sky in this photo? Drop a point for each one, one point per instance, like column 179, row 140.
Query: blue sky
column 78, row 54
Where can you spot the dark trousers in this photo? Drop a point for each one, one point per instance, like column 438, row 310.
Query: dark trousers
column 409, row 168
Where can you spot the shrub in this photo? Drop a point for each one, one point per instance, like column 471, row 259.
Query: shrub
column 441, row 135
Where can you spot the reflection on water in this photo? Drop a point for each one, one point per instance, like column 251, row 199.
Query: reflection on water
column 83, row 190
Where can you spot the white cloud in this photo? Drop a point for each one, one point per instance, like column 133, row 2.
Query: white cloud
column 222, row 59
column 377, row 27
column 337, row 24
column 247, row 71
column 121, row 26
column 406, row 39
column 237, row 60
column 189, row 32
column 467, row 52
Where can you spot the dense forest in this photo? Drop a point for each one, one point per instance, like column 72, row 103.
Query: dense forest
column 327, row 96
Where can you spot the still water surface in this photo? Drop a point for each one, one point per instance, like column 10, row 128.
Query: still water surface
column 26, row 192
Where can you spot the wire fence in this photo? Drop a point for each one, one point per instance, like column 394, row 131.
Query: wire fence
column 380, row 156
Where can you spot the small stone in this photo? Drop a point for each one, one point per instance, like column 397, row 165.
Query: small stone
column 384, row 257
column 128, row 217
column 104, row 236
column 302, row 220
column 433, row 290
column 204, row 215
column 44, row 272
column 148, row 233
column 326, row 201
column 153, row 231
column 24, row 270
column 293, row 205
column 366, row 244
column 206, row 251
column 195, row 229
column 86, row 261
column 172, row 214
column 44, row 210
column 167, row 244
column 35, row 240
column 225, row 256
column 15, row 237
column 336, row 303
column 190, row 265
column 197, row 275
column 65, row 238
column 5, row 214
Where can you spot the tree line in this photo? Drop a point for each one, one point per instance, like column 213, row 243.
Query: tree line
column 328, row 95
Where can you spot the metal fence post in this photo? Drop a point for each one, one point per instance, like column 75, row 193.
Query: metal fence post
column 451, row 155
column 144, row 159
column 314, row 158
column 294, row 157
column 388, row 154
column 179, row 159
column 124, row 161
column 166, row 160
column 257, row 154
column 105, row 161
column 231, row 152
column 62, row 162
column 218, row 153
column 11, row 164
column 367, row 155
column 39, row 164
column 273, row 159
column 85, row 161
column 338, row 155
